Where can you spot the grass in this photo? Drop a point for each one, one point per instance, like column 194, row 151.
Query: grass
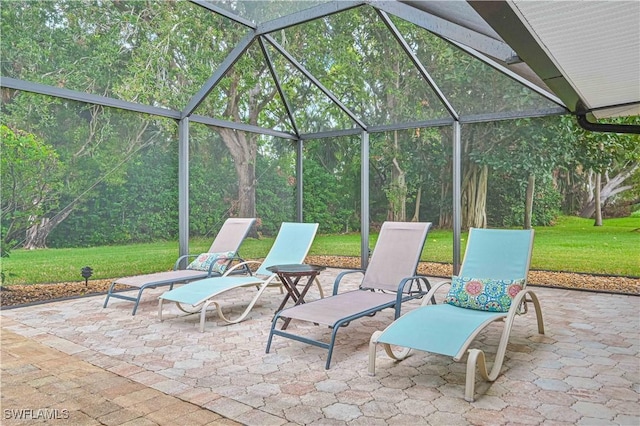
column 572, row 245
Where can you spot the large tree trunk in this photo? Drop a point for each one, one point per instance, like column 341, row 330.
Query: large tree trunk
column 416, row 211
column 528, row 202
column 473, row 186
column 445, row 221
column 243, row 147
column 612, row 187
column 37, row 234
column 598, row 204
column 474, row 196
column 243, row 150
column 397, row 194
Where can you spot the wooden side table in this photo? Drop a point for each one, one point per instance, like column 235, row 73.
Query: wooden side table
column 290, row 276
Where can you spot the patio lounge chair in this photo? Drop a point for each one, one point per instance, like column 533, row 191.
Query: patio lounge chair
column 490, row 287
column 290, row 247
column 389, row 280
column 221, row 254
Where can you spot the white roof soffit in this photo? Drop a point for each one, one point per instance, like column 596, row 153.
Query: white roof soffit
column 587, row 52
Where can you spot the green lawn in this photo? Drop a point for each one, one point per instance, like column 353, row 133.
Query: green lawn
column 573, row 244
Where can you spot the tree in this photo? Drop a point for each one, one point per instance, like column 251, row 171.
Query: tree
column 31, row 173
column 71, row 44
column 472, row 88
column 606, row 163
column 332, row 183
column 161, row 54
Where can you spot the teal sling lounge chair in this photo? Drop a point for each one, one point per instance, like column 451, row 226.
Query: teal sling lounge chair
column 223, row 251
column 290, row 247
column 490, row 287
column 389, row 280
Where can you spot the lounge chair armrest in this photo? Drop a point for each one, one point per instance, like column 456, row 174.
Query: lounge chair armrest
column 229, row 259
column 431, row 294
column 403, row 291
column 336, row 283
column 241, row 265
column 181, row 258
column 402, row 287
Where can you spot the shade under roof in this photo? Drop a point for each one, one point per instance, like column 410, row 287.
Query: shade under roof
column 587, row 52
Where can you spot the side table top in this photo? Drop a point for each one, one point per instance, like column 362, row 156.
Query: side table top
column 298, row 268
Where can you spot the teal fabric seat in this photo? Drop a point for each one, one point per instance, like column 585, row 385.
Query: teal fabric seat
column 458, row 326
column 493, row 256
column 290, row 247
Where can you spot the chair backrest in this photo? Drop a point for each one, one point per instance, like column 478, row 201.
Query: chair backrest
column 500, row 254
column 290, row 246
column 396, row 254
column 233, row 232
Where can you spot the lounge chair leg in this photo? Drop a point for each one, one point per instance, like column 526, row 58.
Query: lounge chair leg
column 106, row 300
column 538, row 310
column 273, row 325
column 319, row 288
column 203, row 314
column 186, row 310
column 135, row 306
column 477, row 357
column 396, row 356
column 248, row 308
column 373, row 342
column 470, row 385
column 336, row 327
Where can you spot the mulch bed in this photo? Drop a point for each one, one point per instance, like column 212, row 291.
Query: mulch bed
column 18, row 295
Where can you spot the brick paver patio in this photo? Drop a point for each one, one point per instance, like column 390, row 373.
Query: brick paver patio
column 82, row 364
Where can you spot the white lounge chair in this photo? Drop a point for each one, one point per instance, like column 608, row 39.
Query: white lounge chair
column 290, row 247
column 489, row 288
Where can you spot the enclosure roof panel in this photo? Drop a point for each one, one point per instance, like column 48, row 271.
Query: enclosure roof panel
column 580, row 55
column 587, row 52
column 259, row 12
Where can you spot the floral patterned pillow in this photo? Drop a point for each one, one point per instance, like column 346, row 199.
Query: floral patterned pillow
column 219, row 260
column 483, row 294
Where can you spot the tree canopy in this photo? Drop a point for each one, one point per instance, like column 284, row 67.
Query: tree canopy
column 102, row 175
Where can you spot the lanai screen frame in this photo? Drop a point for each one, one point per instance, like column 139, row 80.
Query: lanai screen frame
column 448, row 31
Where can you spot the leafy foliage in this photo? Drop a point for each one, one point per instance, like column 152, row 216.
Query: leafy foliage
column 31, row 173
column 505, row 202
column 117, row 172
